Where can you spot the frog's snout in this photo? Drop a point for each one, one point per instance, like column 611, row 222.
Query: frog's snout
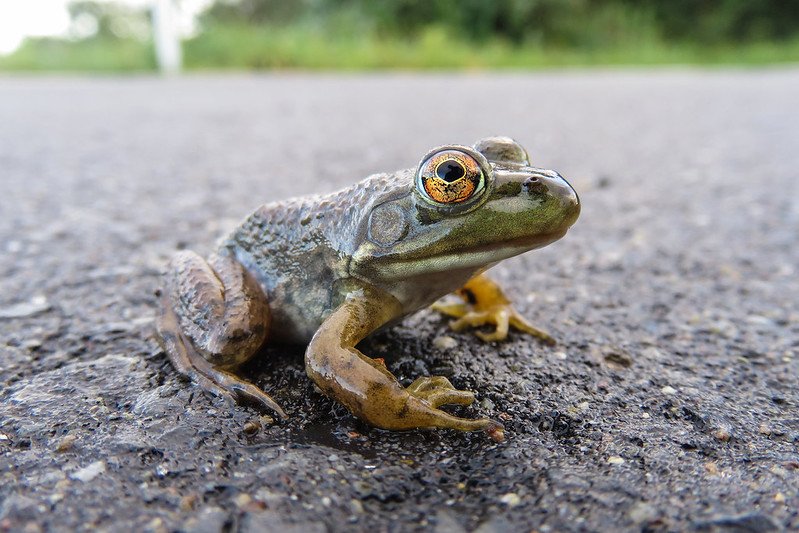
column 555, row 186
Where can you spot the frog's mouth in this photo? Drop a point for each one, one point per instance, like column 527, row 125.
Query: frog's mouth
column 465, row 260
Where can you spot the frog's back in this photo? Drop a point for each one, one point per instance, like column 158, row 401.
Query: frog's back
column 299, row 250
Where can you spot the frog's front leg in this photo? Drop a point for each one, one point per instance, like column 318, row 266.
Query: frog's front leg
column 366, row 387
column 487, row 304
column 214, row 317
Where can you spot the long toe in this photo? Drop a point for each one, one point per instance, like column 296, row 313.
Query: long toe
column 451, row 397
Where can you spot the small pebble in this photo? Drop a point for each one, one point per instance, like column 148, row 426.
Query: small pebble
column 37, row 304
column 90, row 472
column 722, row 434
column 777, row 470
column 496, row 433
column 764, row 429
column 252, row 427
column 242, row 500
column 156, row 525
column 642, row 513
column 32, row 344
column 66, row 443
column 510, row 499
column 445, row 342
column 188, row 502
column 711, row 468
column 779, row 497
column 356, row 507
column 668, row 390
column 615, row 460
column 618, row 359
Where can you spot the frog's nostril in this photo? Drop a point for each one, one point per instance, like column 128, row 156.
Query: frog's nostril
column 534, row 185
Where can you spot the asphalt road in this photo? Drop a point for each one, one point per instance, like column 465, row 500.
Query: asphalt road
column 670, row 403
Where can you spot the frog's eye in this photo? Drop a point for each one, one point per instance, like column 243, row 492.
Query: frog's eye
column 450, row 177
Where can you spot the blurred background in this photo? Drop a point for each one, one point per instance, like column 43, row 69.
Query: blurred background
column 143, row 35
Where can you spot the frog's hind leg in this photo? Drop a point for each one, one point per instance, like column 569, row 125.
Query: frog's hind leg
column 213, row 318
column 485, row 303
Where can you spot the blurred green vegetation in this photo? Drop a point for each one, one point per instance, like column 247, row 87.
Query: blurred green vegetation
column 103, row 37
column 472, row 34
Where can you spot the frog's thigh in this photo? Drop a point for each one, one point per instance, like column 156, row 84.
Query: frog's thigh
column 214, row 317
column 366, row 387
column 487, row 304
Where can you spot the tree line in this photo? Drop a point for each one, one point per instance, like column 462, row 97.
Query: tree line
column 567, row 23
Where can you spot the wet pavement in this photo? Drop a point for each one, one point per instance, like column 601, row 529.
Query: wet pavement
column 670, row 403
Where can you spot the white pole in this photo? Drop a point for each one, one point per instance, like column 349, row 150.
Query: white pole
column 166, row 35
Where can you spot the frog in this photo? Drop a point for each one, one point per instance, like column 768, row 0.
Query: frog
column 329, row 270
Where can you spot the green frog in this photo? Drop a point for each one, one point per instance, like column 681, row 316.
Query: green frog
column 330, row 270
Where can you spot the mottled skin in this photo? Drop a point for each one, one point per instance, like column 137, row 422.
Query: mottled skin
column 329, row 270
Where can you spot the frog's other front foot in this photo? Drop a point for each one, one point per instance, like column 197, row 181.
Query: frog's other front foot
column 487, row 304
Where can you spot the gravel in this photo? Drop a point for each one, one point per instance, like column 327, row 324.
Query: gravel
column 670, row 403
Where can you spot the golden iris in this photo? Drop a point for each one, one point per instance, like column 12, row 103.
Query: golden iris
column 450, row 177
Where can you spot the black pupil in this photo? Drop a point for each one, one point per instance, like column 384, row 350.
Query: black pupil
column 450, row 171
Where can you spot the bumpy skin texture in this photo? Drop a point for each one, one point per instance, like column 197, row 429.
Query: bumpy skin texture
column 300, row 252
column 329, row 270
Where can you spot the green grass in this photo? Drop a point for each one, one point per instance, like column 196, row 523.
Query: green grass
column 254, row 48
column 267, row 48
column 92, row 55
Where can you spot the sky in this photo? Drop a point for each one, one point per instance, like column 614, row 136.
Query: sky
column 22, row 18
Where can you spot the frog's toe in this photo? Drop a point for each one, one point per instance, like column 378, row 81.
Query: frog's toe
column 210, row 386
column 519, row 322
column 472, row 319
column 503, row 317
column 498, row 317
column 453, row 310
column 210, row 378
column 231, row 387
column 437, row 391
column 249, row 392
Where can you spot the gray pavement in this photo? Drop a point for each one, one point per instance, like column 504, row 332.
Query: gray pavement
column 670, row 403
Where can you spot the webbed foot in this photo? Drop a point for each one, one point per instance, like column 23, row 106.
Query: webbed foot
column 487, row 304
column 438, row 391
